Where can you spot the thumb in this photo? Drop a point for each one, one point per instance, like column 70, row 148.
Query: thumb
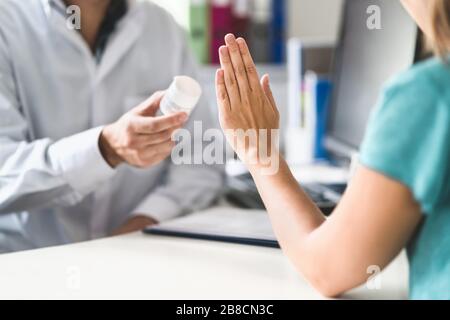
column 150, row 106
column 265, row 84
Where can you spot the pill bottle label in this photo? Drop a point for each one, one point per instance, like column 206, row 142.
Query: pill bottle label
column 182, row 96
column 169, row 107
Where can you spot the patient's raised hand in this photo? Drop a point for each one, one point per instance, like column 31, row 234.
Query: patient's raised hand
column 246, row 104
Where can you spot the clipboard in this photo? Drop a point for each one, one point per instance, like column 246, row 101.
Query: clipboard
column 230, row 225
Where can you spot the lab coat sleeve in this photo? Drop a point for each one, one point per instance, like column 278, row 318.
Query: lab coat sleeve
column 41, row 172
column 187, row 188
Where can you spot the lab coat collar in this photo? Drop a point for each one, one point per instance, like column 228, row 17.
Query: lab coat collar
column 128, row 31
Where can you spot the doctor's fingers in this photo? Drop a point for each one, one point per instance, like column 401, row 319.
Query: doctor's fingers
column 155, row 138
column 140, row 141
column 162, row 150
column 151, row 125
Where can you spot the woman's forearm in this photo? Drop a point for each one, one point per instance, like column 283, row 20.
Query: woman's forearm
column 293, row 214
column 294, row 218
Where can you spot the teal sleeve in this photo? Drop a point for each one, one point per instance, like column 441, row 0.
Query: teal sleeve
column 408, row 139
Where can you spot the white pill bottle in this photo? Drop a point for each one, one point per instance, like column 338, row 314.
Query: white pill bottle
column 182, row 96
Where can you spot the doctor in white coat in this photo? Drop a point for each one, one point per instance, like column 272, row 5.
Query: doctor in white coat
column 81, row 156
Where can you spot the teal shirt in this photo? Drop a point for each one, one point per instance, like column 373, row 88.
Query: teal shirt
column 408, row 139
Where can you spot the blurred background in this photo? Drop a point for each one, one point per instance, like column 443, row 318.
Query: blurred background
column 326, row 65
column 268, row 26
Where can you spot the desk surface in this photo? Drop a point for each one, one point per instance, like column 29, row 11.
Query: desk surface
column 137, row 266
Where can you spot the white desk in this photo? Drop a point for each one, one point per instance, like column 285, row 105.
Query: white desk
column 137, row 266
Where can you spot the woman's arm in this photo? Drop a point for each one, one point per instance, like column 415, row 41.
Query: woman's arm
column 374, row 221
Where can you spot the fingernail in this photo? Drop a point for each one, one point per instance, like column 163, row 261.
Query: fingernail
column 230, row 37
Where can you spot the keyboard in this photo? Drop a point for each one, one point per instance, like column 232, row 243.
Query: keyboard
column 242, row 192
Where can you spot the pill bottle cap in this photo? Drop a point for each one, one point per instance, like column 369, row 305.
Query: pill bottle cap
column 184, row 92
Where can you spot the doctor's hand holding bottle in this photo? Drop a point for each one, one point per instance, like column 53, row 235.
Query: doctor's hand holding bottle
column 138, row 137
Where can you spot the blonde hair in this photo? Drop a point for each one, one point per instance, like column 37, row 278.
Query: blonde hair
column 440, row 26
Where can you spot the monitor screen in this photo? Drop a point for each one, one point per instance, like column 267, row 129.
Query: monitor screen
column 378, row 39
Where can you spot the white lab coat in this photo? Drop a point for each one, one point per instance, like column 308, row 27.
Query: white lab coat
column 55, row 187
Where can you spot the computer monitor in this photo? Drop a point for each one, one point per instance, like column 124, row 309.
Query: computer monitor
column 365, row 58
